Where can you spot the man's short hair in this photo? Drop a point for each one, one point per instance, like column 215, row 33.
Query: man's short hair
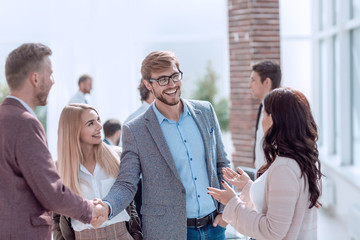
column 22, row 61
column 144, row 92
column 111, row 126
column 84, row 78
column 156, row 62
column 268, row 69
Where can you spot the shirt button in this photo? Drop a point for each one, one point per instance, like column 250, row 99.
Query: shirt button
column 190, row 159
column 185, row 141
column 198, row 196
column 195, row 178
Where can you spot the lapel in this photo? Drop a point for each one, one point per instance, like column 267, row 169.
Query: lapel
column 205, row 132
column 154, row 128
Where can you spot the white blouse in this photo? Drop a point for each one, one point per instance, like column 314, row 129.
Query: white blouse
column 257, row 191
column 96, row 186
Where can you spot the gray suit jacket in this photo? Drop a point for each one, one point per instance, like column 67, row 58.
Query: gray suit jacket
column 145, row 151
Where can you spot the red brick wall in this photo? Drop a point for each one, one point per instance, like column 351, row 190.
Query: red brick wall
column 254, row 35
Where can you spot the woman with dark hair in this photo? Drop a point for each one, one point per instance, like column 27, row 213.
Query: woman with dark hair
column 282, row 203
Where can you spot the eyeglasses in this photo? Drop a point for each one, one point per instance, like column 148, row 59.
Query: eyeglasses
column 164, row 80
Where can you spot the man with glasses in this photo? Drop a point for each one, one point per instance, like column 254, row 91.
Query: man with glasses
column 177, row 147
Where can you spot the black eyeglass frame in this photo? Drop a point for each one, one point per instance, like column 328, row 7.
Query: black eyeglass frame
column 168, row 78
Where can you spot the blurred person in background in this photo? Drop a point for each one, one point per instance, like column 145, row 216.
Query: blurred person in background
column 89, row 167
column 146, row 98
column 85, row 87
column 282, row 203
column 112, row 132
column 265, row 76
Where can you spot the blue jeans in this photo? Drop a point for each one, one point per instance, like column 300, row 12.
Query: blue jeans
column 206, row 233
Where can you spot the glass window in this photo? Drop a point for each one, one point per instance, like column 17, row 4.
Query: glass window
column 355, row 8
column 355, row 96
column 323, row 81
column 336, row 89
column 328, row 13
column 335, row 12
column 322, row 14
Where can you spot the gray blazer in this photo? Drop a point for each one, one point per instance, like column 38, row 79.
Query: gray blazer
column 146, row 151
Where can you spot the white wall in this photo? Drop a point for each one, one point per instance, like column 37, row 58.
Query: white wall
column 109, row 39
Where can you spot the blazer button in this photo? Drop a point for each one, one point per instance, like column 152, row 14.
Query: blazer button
column 183, row 191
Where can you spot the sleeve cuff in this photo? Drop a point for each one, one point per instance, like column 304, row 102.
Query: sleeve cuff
column 110, row 207
column 230, row 208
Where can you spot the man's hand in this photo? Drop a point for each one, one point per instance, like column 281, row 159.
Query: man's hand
column 219, row 221
column 100, row 213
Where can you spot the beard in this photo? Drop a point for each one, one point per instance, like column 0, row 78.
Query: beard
column 42, row 96
column 162, row 99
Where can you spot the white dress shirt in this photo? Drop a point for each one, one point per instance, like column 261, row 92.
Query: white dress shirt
column 144, row 106
column 96, row 185
column 259, row 151
column 79, row 97
column 257, row 192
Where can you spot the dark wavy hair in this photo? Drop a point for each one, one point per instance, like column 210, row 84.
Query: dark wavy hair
column 293, row 134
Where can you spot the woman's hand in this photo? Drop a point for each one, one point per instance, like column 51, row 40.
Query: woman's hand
column 239, row 180
column 222, row 196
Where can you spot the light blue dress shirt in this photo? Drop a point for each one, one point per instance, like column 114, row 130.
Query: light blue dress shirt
column 187, row 149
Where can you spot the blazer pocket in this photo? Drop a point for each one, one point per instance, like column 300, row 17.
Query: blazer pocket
column 42, row 220
column 147, row 209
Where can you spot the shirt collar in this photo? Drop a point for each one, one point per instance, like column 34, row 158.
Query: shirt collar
column 24, row 104
column 81, row 93
column 161, row 117
column 111, row 143
column 84, row 170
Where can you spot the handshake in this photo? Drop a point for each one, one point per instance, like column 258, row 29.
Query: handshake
column 100, row 213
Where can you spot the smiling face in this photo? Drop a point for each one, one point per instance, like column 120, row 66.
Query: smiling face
column 168, row 94
column 90, row 133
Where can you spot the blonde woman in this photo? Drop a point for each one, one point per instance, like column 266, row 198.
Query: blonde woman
column 89, row 168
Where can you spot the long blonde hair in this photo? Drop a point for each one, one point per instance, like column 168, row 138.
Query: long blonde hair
column 69, row 149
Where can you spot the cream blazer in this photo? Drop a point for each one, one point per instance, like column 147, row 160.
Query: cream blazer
column 285, row 212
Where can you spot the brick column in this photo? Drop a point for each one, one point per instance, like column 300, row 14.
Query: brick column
column 254, row 35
